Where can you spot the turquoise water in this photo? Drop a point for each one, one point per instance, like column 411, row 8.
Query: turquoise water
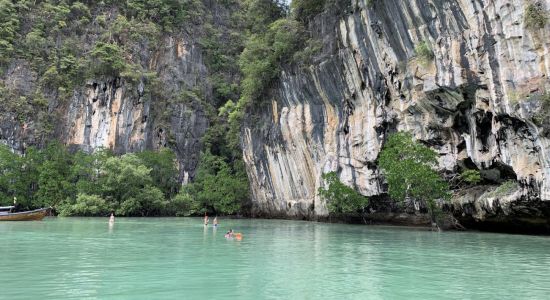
column 177, row 258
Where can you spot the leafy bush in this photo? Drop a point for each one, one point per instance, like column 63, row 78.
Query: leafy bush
column 217, row 188
column 534, row 16
column 127, row 181
column 109, row 59
column 471, row 176
column 408, row 168
column 163, row 166
column 263, row 55
column 133, row 33
column 424, row 52
column 16, row 181
column 86, row 205
column 9, row 24
column 285, row 36
column 341, row 199
column 183, row 205
column 166, row 13
column 146, row 201
column 258, row 14
column 53, row 175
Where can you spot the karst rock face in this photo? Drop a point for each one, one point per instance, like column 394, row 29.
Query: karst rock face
column 117, row 113
column 479, row 103
column 122, row 116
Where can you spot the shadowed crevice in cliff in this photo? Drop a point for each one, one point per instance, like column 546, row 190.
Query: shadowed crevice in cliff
column 484, row 125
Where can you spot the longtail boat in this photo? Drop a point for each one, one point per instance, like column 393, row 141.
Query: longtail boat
column 31, row 215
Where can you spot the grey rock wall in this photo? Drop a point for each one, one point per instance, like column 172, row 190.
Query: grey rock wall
column 117, row 114
column 474, row 103
column 122, row 116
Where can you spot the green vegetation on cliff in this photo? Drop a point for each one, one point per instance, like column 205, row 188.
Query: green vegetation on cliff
column 9, row 25
column 424, row 52
column 408, row 168
column 542, row 117
column 470, row 176
column 265, row 53
column 341, row 199
column 274, row 37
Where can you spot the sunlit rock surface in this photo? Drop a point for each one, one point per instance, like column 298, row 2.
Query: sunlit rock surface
column 474, row 104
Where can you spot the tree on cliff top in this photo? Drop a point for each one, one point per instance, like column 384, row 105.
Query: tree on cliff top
column 408, row 167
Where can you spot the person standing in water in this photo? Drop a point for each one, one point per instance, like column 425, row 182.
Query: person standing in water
column 112, row 218
column 216, row 221
column 205, row 219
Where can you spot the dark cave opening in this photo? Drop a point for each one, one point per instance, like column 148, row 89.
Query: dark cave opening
column 484, row 125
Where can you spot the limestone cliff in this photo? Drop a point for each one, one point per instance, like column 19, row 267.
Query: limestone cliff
column 159, row 104
column 478, row 103
column 116, row 115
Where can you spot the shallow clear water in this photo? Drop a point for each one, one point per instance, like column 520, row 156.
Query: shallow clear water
column 175, row 258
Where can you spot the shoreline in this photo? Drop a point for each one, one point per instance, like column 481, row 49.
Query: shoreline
column 350, row 220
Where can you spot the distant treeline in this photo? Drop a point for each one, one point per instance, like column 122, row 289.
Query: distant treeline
column 140, row 184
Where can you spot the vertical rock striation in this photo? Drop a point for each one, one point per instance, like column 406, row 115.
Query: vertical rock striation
column 119, row 115
column 476, row 103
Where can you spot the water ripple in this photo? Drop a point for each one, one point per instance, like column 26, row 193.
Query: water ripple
column 77, row 258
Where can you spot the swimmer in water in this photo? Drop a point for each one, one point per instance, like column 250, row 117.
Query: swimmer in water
column 112, row 218
column 216, row 221
column 205, row 219
column 229, row 234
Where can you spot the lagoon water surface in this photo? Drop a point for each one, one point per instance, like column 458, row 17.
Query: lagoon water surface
column 177, row 258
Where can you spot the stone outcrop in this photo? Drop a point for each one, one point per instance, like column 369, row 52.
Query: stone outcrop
column 118, row 114
column 475, row 103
